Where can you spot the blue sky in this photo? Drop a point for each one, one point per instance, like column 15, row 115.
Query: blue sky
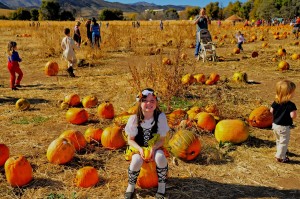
column 199, row 3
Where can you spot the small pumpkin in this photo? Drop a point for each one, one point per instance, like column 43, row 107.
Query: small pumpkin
column 185, row 145
column 60, row 151
column 200, row 78
column 72, row 99
column 86, row 177
column 76, row 138
column 240, row 77
column 89, row 101
column 234, row 131
column 92, row 134
column 254, row 54
column 77, row 115
column 18, row 171
column 22, row 104
column 187, row 79
column 106, row 110
column 148, row 176
column 206, row 121
column 261, row 117
column 236, row 51
column 283, row 65
column 166, row 61
column 192, row 113
column 295, row 56
column 214, row 77
column 112, row 137
column 4, row 154
column 51, row 68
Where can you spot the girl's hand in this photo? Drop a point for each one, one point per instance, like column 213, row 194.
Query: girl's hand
column 141, row 152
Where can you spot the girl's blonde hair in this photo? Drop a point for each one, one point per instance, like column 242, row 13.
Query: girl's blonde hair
column 10, row 47
column 284, row 91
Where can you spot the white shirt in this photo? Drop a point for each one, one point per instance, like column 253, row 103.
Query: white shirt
column 162, row 125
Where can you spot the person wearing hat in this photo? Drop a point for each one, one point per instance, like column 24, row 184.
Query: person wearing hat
column 77, row 36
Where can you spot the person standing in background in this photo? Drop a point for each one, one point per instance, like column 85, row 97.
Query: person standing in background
column 77, row 36
column 88, row 30
column 201, row 22
column 95, row 29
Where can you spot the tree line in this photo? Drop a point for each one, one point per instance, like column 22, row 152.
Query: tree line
column 251, row 9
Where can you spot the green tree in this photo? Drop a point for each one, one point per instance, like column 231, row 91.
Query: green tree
column 21, row 14
column 192, row 11
column 245, row 10
column 266, row 10
column 34, row 14
column 233, row 8
column 66, row 16
column 171, row 13
column 111, row 14
column 49, row 10
column 212, row 10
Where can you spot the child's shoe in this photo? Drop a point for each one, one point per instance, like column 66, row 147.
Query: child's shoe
column 285, row 160
column 18, row 85
column 14, row 89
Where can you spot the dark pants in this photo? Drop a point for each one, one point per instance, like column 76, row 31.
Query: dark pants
column 239, row 45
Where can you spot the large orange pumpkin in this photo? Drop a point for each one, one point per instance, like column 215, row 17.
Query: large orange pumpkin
column 18, row 171
column 4, row 154
column 106, row 110
column 51, row 68
column 235, row 131
column 89, row 101
column 76, row 138
column 261, row 117
column 72, row 99
column 185, row 145
column 77, row 115
column 206, row 121
column 148, row 176
column 112, row 138
column 93, row 134
column 86, row 177
column 60, row 151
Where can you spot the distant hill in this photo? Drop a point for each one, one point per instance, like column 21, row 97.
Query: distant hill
column 87, row 8
column 2, row 6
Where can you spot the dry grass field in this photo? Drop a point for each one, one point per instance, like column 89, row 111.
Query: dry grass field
column 126, row 63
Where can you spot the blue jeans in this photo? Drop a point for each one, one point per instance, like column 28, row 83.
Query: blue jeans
column 198, row 47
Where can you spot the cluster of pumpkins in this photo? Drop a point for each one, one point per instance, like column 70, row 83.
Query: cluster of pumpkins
column 189, row 79
column 183, row 144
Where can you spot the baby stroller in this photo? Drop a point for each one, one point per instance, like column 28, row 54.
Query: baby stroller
column 207, row 50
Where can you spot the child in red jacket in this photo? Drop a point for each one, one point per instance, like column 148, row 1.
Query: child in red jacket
column 13, row 65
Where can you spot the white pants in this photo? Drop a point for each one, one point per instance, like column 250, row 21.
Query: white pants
column 159, row 157
column 282, row 134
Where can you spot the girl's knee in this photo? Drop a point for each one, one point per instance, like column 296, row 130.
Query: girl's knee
column 160, row 159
